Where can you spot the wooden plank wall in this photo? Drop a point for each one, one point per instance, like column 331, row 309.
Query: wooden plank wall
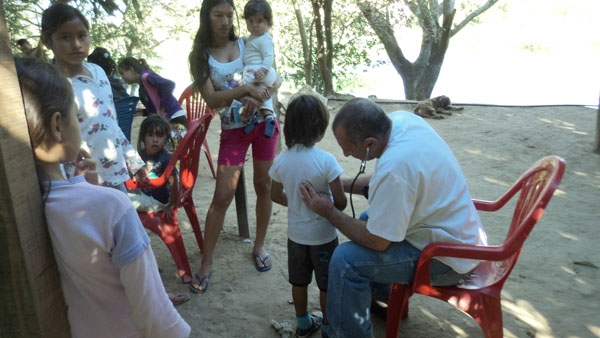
column 31, row 300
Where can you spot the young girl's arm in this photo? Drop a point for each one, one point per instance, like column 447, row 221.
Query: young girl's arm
column 277, row 194
column 339, row 196
column 151, row 310
column 85, row 165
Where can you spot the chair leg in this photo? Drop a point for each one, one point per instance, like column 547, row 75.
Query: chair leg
column 397, row 309
column 171, row 236
column 209, row 158
column 177, row 250
column 489, row 316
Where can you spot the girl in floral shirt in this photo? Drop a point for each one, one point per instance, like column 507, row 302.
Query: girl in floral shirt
column 66, row 32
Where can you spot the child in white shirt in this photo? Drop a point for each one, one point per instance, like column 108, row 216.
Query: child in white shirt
column 311, row 238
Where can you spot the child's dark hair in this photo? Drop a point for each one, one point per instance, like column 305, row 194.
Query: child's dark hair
column 138, row 65
column 101, row 57
column 153, row 123
column 45, row 91
column 306, row 121
column 258, row 7
column 57, row 14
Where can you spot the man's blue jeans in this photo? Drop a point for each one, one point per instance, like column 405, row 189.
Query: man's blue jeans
column 351, row 270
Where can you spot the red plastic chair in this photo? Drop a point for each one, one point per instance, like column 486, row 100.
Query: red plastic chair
column 480, row 295
column 196, row 107
column 188, row 156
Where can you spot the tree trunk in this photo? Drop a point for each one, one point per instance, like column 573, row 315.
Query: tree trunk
column 306, row 50
column 327, row 7
column 419, row 77
column 324, row 70
column 32, row 303
column 597, row 148
column 431, row 68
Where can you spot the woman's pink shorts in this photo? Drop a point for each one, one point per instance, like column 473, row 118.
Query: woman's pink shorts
column 234, row 145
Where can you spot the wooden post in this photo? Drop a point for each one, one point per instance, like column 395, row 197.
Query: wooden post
column 31, row 300
column 241, row 206
column 597, row 145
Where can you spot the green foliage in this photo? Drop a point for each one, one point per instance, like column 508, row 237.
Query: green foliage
column 534, row 48
column 139, row 28
column 124, row 27
column 352, row 42
column 23, row 20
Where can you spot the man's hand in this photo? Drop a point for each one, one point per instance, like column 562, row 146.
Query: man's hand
column 318, row 203
column 84, row 165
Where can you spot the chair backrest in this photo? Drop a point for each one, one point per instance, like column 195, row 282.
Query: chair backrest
column 535, row 188
column 125, row 107
column 188, row 154
column 194, row 105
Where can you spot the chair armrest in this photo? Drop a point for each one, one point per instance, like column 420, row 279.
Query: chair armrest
column 456, row 250
column 484, row 205
column 490, row 206
column 153, row 182
column 149, row 184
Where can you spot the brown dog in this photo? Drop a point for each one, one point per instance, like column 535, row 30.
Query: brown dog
column 432, row 108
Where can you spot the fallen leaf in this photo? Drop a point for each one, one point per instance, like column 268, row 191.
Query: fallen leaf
column 586, row 263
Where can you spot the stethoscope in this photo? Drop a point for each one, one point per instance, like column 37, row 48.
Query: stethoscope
column 361, row 170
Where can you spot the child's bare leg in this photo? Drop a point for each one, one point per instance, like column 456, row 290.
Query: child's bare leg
column 323, row 300
column 306, row 323
column 300, row 297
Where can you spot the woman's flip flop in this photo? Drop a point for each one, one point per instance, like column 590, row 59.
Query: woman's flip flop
column 263, row 261
column 197, row 287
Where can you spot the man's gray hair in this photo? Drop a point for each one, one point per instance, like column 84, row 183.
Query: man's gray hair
column 362, row 118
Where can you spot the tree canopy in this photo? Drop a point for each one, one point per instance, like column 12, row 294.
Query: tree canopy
column 319, row 42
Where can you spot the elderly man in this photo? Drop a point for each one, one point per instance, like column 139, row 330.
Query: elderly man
column 417, row 195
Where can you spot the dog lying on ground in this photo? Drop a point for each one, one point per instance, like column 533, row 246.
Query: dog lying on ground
column 432, row 108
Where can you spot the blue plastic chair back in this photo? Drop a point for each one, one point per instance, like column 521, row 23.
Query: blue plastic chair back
column 125, row 110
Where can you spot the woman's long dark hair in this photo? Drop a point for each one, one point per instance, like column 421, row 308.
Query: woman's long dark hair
column 101, row 57
column 138, row 65
column 198, row 58
column 57, row 14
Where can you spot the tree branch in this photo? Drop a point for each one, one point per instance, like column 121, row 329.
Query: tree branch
column 472, row 16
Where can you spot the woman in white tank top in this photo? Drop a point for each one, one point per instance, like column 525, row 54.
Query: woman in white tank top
column 216, row 65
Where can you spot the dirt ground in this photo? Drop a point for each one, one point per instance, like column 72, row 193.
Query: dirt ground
column 552, row 292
